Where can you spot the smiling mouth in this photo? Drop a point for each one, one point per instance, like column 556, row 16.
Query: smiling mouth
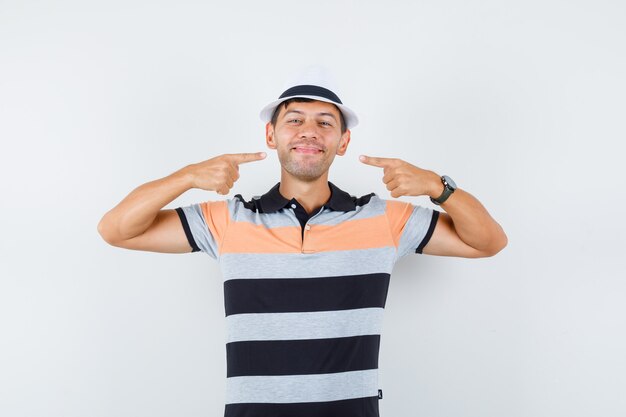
column 307, row 150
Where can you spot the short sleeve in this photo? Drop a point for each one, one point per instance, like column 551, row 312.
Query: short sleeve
column 411, row 225
column 205, row 225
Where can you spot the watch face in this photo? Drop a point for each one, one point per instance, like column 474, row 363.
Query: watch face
column 450, row 182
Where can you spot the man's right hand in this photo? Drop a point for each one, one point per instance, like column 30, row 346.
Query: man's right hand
column 220, row 173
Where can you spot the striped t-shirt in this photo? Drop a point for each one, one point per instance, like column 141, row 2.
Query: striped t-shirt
column 304, row 296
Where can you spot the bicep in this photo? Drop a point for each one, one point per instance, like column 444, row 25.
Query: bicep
column 446, row 242
column 165, row 235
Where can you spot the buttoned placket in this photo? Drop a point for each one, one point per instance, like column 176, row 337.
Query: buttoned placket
column 304, row 218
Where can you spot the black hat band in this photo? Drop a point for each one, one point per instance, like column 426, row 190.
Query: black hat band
column 311, row 90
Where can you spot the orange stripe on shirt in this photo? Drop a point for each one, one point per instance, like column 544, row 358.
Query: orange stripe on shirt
column 245, row 237
column 368, row 233
column 398, row 213
column 217, row 218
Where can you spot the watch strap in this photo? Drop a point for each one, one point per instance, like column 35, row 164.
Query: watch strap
column 447, row 192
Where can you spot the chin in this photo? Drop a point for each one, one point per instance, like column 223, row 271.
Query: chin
column 304, row 175
column 302, row 169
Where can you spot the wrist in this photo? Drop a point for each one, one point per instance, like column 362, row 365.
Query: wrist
column 186, row 176
column 436, row 186
column 449, row 186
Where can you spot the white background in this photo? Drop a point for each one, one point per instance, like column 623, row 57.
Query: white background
column 522, row 103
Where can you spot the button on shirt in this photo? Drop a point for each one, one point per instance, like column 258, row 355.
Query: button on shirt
column 304, row 296
column 301, row 214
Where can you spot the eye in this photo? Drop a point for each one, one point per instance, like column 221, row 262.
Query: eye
column 328, row 124
column 293, row 120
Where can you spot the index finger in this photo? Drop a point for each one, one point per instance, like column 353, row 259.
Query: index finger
column 376, row 161
column 242, row 158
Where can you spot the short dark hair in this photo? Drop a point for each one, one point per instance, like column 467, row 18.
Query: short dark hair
column 285, row 103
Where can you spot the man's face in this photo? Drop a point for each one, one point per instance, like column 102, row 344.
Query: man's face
column 307, row 136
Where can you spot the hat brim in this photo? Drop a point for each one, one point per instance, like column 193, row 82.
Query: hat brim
column 349, row 116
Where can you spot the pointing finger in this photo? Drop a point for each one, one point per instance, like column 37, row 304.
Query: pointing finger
column 242, row 158
column 376, row 161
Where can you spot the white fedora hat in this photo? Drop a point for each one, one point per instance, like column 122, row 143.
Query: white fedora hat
column 314, row 82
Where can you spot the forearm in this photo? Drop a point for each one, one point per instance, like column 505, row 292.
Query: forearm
column 472, row 222
column 135, row 213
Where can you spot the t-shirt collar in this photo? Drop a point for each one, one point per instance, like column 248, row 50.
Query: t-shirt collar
column 340, row 200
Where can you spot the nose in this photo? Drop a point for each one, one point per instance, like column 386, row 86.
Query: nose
column 308, row 129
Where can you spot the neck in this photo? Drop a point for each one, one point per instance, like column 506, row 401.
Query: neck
column 310, row 194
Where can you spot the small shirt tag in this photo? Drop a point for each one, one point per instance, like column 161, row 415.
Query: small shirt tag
column 380, row 394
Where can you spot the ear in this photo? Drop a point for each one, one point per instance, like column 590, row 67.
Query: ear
column 343, row 143
column 269, row 136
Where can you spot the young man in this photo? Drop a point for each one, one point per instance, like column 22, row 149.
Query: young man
column 306, row 266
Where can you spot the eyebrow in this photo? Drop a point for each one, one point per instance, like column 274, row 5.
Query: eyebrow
column 319, row 114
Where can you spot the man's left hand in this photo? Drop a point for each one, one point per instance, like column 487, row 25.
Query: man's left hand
column 402, row 178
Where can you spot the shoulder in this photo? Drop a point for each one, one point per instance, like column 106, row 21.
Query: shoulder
column 365, row 199
column 390, row 205
column 368, row 205
column 252, row 204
